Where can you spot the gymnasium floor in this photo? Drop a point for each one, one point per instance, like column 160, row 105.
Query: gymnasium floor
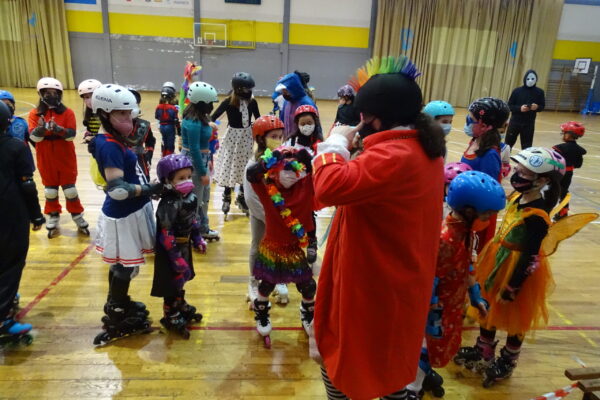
column 64, row 287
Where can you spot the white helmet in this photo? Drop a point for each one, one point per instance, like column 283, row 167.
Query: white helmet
column 169, row 84
column 109, row 97
column 202, row 91
column 49, row 83
column 88, row 86
column 540, row 160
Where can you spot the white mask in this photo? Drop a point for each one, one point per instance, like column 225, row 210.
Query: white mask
column 287, row 178
column 446, row 128
column 307, row 130
column 531, row 80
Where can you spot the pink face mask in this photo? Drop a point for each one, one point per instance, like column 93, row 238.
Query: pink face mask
column 185, row 187
column 124, row 126
column 88, row 102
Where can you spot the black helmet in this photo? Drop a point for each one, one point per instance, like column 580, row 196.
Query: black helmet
column 490, row 110
column 167, row 92
column 242, row 80
column 5, row 116
column 393, row 98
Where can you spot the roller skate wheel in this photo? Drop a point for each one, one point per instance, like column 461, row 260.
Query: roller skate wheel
column 100, row 339
column 458, row 361
column 488, row 382
column 85, row 231
column 267, row 340
column 26, row 339
column 52, row 233
column 438, row 392
column 185, row 334
column 197, row 317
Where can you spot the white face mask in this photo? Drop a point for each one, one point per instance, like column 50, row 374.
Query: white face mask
column 307, row 130
column 531, row 80
column 446, row 128
column 287, row 179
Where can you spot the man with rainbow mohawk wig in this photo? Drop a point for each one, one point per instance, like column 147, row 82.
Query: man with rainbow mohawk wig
column 377, row 273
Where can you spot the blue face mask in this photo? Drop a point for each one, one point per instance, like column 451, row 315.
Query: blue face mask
column 468, row 129
column 446, row 128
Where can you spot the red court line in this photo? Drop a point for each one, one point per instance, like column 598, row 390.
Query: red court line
column 55, row 282
column 551, row 328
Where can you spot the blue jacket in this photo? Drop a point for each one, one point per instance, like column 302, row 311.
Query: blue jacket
column 299, row 97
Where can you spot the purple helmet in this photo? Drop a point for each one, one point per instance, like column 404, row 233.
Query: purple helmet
column 453, row 169
column 346, row 91
column 171, row 163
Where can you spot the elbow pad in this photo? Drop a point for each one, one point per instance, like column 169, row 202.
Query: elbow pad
column 37, row 135
column 69, row 135
column 120, row 190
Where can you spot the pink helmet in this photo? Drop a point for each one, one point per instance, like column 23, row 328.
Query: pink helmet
column 49, row 83
column 453, row 169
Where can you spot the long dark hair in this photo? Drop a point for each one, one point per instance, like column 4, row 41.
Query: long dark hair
column 42, row 108
column 317, row 134
column 552, row 194
column 261, row 146
column 87, row 114
column 489, row 140
column 199, row 111
column 431, row 136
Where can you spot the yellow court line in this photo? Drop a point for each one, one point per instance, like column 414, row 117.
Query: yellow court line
column 569, row 322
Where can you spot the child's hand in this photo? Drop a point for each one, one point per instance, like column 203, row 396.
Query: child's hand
column 214, row 126
column 507, row 295
column 483, row 309
column 200, row 245
column 313, row 350
column 534, row 107
column 41, row 121
column 524, row 108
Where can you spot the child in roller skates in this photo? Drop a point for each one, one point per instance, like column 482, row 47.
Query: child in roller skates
column 196, row 132
column 17, row 126
column 346, row 114
column 178, row 231
column 512, row 269
column 52, row 127
column 166, row 114
column 126, row 227
column 308, row 135
column 442, row 112
column 573, row 154
column 142, row 140
column 236, row 148
column 473, row 197
column 90, row 119
column 268, row 133
column 20, row 208
column 283, row 183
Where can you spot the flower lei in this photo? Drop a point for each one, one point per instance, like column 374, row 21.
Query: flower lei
column 273, row 168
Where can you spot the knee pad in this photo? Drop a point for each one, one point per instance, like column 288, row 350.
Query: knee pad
column 265, row 288
column 124, row 273
column 70, row 192
column 51, row 192
column 308, row 289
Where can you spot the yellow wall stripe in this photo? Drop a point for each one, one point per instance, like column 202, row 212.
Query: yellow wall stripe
column 326, row 35
column 571, row 49
column 84, row 21
column 151, row 25
column 181, row 27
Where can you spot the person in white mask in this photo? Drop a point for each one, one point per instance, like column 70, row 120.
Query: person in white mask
column 524, row 103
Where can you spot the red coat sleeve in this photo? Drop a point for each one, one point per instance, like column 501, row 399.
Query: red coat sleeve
column 339, row 182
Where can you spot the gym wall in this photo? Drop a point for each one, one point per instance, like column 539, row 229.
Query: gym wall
column 146, row 42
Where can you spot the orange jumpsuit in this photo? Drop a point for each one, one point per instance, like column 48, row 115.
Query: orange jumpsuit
column 56, row 158
column 377, row 274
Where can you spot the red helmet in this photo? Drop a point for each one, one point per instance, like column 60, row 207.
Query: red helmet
column 264, row 124
column 306, row 108
column 453, row 169
column 573, row 127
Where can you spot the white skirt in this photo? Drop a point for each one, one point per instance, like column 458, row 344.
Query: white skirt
column 126, row 240
column 234, row 153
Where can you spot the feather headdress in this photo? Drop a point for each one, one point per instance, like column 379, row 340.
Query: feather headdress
column 386, row 65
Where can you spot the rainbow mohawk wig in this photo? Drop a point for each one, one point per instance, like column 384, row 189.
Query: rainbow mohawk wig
column 386, row 65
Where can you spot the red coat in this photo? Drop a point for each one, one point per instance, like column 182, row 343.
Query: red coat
column 55, row 156
column 377, row 274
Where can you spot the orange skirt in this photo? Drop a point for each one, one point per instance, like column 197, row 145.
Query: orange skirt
column 528, row 311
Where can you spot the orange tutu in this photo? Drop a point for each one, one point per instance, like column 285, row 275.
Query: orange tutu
column 528, row 311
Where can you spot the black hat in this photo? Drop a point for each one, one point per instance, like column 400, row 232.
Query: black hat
column 490, row 110
column 394, row 98
column 242, row 80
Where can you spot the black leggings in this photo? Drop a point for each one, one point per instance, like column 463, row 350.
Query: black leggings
column 525, row 130
column 306, row 288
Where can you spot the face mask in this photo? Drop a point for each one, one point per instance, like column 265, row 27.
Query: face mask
column 468, row 131
column 185, row 187
column 530, row 80
column 479, row 225
column 88, row 102
column 272, row 144
column 51, row 100
column 307, row 130
column 287, row 179
column 520, row 184
column 124, row 126
column 446, row 128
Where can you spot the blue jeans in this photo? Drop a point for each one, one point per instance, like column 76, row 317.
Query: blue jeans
column 168, row 139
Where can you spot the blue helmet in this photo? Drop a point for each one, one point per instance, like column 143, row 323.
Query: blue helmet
column 438, row 107
column 6, row 95
column 476, row 189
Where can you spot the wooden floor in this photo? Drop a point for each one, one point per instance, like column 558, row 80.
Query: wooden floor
column 64, row 287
